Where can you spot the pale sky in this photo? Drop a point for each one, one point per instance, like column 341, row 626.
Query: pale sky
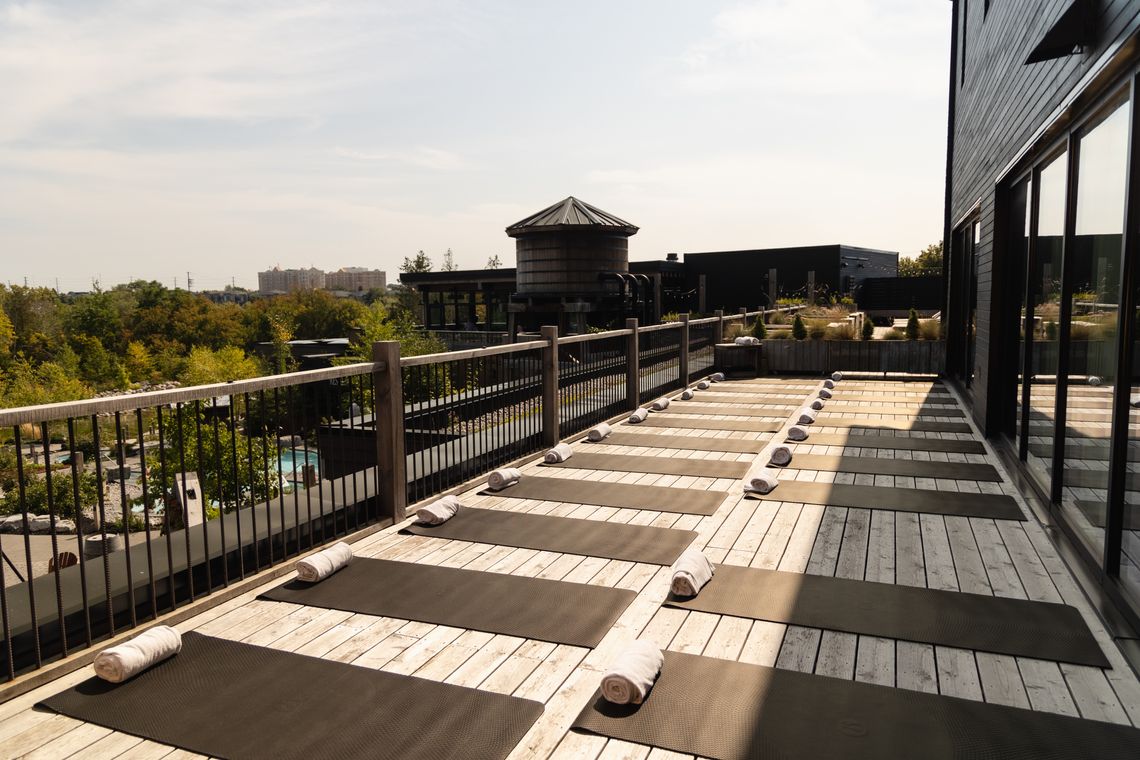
column 146, row 138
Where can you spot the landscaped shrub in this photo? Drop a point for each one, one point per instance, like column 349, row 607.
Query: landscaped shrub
column 930, row 329
column 817, row 328
column 844, row 331
column 733, row 331
column 799, row 330
column 894, row 334
column 1050, row 331
column 759, row 330
column 868, row 328
column 912, row 325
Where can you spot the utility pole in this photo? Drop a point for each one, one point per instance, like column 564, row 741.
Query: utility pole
column 189, row 282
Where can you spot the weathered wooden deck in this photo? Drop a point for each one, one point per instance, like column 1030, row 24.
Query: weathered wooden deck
column 1004, row 558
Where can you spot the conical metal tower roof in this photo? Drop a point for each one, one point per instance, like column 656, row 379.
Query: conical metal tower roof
column 571, row 214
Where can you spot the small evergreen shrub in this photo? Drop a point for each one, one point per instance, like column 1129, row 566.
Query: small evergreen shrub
column 760, row 330
column 868, row 328
column 799, row 329
column 912, row 325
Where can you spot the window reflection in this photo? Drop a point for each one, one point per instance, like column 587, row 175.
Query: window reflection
column 1018, row 250
column 1045, row 301
column 1094, row 269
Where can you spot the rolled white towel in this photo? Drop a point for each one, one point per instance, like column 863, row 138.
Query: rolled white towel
column 687, row 394
column 1135, row 400
column 837, row 376
column 781, row 455
column 317, row 567
column 824, row 393
column 599, row 432
column 828, row 383
column 559, row 453
column 717, row 377
column 817, row 404
column 691, row 572
column 797, row 433
column 746, row 340
column 439, row 511
column 660, row 404
column 639, row 415
column 763, row 481
column 501, row 478
column 703, row 385
column 807, row 416
column 130, row 658
column 632, row 673
column 1094, row 380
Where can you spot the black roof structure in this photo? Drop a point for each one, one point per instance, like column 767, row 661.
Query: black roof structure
column 571, row 214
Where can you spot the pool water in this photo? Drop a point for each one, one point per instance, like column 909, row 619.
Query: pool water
column 292, row 460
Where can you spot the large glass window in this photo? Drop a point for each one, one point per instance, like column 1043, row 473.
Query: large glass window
column 1093, row 290
column 1044, row 285
column 1017, row 248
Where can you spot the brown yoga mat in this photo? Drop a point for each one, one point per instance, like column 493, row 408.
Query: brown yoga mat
column 221, row 698
column 689, row 501
column 747, row 426
column 903, row 467
column 532, row 608
column 993, row 506
column 701, row 468
column 1018, row 627
column 760, row 390
column 898, row 442
column 565, row 535
column 735, row 398
column 923, row 410
column 918, row 426
column 690, row 442
column 737, row 410
column 928, row 398
column 716, row 708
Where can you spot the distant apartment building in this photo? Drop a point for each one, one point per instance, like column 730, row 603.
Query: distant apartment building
column 278, row 280
column 356, row 279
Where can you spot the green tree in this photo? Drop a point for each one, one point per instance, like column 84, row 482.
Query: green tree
column 139, row 363
column 927, row 263
column 36, row 489
column 7, row 337
column 912, row 325
column 23, row 384
column 799, row 329
column 419, row 263
column 205, row 366
column 868, row 328
column 97, row 365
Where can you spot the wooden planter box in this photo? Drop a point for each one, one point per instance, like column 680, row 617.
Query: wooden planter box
column 737, row 361
column 926, row 357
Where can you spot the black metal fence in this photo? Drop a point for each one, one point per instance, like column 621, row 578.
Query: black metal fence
column 117, row 511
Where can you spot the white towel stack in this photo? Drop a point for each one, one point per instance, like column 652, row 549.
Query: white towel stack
column 599, row 432
column 639, row 415
column 130, row 658
column 687, row 394
column 1094, row 380
column 781, row 455
column 837, row 376
column 691, row 572
column 817, row 404
column 660, row 404
column 703, row 385
column 717, row 377
column 797, row 433
column 807, row 416
column 439, row 511
column 828, row 383
column 746, row 340
column 632, row 673
column 559, row 453
column 317, row 567
column 763, row 481
column 824, row 393
column 501, row 478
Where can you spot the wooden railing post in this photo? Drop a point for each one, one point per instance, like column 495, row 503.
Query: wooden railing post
column 550, row 433
column 718, row 330
column 633, row 372
column 684, row 362
column 388, row 409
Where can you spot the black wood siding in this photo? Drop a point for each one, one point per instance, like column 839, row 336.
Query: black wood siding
column 999, row 107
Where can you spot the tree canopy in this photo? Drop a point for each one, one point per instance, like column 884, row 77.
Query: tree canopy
column 927, row 263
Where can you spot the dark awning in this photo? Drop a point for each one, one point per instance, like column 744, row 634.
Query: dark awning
column 1069, row 34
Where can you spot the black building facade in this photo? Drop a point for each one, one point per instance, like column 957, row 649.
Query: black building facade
column 1043, row 218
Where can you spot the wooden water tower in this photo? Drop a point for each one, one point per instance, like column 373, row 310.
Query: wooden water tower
column 573, row 268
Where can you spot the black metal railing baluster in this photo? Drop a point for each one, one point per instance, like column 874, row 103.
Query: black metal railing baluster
column 77, row 500
column 143, row 482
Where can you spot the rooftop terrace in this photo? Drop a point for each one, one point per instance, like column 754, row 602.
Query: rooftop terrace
column 870, row 539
